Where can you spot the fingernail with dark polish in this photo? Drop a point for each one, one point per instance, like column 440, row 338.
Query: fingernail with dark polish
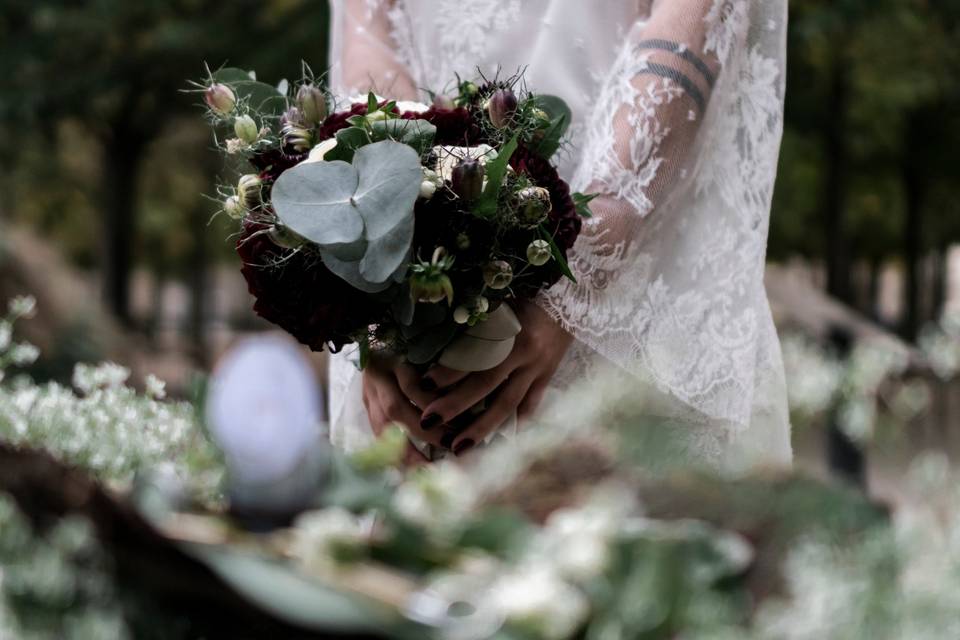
column 430, row 421
column 462, row 446
column 428, row 384
column 448, row 438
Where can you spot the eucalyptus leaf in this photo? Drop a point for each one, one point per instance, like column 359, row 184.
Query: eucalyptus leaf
column 261, row 97
column 316, row 200
column 348, row 141
column 289, row 595
column 344, row 208
column 425, row 347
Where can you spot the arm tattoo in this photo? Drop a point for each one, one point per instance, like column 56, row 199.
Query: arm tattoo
column 683, row 52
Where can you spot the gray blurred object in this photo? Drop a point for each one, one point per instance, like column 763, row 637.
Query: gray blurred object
column 263, row 410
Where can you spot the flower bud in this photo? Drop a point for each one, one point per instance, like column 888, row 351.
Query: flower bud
column 296, row 137
column 234, row 208
column 284, row 237
column 469, row 89
column 248, row 190
column 293, row 115
column 538, row 252
column 431, row 287
column 376, row 116
column 443, row 102
column 461, row 315
column 427, row 189
column 534, row 205
column 466, row 179
column 246, row 129
column 313, row 104
column 220, row 98
column 498, row 274
column 501, row 107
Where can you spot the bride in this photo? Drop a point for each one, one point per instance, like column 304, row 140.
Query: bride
column 678, row 113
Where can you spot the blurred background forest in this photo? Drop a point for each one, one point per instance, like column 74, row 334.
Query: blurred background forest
column 105, row 159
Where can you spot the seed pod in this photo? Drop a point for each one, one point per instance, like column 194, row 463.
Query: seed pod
column 538, row 252
column 220, row 98
column 501, row 107
column 313, row 104
column 246, row 129
column 461, row 315
column 534, row 205
column 466, row 179
column 248, row 190
column 498, row 274
column 234, row 208
column 427, row 189
column 463, row 241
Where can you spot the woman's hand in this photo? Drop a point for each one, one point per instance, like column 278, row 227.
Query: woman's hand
column 516, row 384
column 392, row 393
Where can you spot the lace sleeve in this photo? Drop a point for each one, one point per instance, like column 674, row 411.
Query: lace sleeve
column 363, row 55
column 681, row 147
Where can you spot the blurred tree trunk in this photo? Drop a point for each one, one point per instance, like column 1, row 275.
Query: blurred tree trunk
column 914, row 187
column 873, row 288
column 199, row 268
column 123, row 153
column 834, row 192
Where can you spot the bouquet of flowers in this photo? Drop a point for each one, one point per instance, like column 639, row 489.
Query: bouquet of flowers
column 396, row 225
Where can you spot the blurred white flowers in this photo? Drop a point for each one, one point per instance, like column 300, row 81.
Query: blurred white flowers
column 320, row 538
column 437, row 497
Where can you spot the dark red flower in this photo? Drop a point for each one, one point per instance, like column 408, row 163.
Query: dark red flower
column 300, row 295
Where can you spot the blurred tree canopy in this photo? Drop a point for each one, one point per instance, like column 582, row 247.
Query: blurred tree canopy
column 100, row 146
column 873, row 117
column 94, row 122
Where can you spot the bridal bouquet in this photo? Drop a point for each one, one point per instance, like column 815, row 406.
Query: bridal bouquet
column 396, row 225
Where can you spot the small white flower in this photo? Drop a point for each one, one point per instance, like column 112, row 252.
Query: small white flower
column 155, row 387
column 24, row 354
column 538, row 600
column 435, row 497
column 319, row 536
column 23, row 306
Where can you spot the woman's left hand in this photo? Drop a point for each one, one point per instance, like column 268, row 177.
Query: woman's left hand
column 516, row 384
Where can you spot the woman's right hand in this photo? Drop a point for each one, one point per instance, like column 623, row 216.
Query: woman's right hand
column 392, row 394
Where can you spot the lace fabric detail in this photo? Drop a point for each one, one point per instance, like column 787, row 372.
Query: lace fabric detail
column 677, row 126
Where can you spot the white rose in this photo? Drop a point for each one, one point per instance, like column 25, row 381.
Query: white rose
column 409, row 105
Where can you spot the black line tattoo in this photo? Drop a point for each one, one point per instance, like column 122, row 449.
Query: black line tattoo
column 664, row 71
column 685, row 53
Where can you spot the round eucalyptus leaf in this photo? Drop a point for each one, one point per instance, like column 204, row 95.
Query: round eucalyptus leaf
column 390, row 177
column 349, row 270
column 315, row 199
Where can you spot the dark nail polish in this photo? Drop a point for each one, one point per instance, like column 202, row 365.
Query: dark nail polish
column 428, row 384
column 447, row 440
column 462, row 446
column 430, row 421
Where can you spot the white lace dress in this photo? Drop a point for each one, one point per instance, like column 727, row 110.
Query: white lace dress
column 678, row 114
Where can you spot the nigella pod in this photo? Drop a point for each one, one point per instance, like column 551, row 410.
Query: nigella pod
column 534, row 205
column 538, row 252
column 313, row 103
column 498, row 274
column 248, row 190
column 246, row 129
column 501, row 107
column 284, row 237
column 220, row 98
column 234, row 208
column 466, row 179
